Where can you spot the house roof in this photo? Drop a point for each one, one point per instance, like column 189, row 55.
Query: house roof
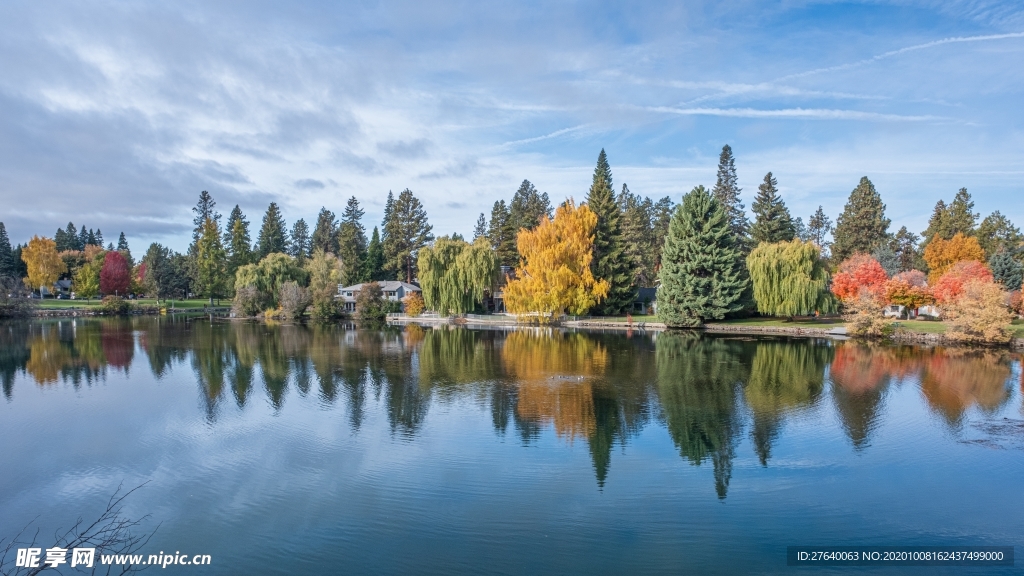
column 386, row 285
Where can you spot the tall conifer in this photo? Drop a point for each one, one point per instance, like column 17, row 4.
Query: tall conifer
column 480, row 230
column 772, row 220
column 273, row 233
column 502, row 235
column 7, row 264
column 407, row 231
column 862, row 226
column 610, row 261
column 727, row 192
column 237, row 242
column 352, row 243
column 701, row 278
column 325, row 233
column 373, row 268
column 299, row 246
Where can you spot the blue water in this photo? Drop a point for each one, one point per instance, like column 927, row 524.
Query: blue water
column 294, row 449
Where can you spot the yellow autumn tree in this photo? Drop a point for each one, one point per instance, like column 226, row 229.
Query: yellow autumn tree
column 942, row 254
column 555, row 275
column 43, row 262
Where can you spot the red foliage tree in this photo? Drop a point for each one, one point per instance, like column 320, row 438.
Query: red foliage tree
column 859, row 273
column 951, row 285
column 913, row 277
column 115, row 277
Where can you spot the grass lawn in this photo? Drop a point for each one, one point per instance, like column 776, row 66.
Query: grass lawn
column 925, row 326
column 66, row 304
column 1018, row 328
column 803, row 322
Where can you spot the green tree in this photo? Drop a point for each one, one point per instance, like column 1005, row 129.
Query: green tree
column 122, row 243
column 948, row 220
column 502, row 235
column 727, row 192
column 789, row 279
column 818, row 229
column 210, row 263
column 638, row 236
column 268, row 275
column 455, row 274
column 371, row 308
column 1006, row 270
column 87, row 281
column 862, row 226
column 237, row 242
column 405, row 233
column 996, row 233
column 352, row 243
column 273, row 236
column 772, row 220
column 300, row 246
column 701, row 277
column 204, row 208
column 324, row 271
column 610, row 261
column 8, row 267
column 904, row 245
column 373, row 269
column 325, row 233
column 527, row 207
column 661, row 216
column 159, row 276
column 480, row 230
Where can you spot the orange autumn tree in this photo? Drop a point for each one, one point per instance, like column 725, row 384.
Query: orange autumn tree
column 951, row 285
column 555, row 275
column 859, row 273
column 942, row 254
column 908, row 289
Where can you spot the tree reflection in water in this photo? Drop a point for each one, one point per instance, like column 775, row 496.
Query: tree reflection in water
column 586, row 387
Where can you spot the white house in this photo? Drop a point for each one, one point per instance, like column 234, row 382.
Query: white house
column 393, row 290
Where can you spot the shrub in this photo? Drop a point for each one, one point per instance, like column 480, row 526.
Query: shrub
column 413, row 304
column 248, row 302
column 370, row 304
column 980, row 315
column 14, row 300
column 859, row 273
column 951, row 284
column 864, row 318
column 292, row 300
column 115, row 306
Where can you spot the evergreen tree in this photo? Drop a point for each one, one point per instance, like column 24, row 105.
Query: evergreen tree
column 99, row 237
column 637, row 236
column 237, row 242
column 862, row 226
column 610, row 261
column 352, row 243
column 7, row 264
column 406, row 232
column 727, row 192
column 62, row 241
column 300, row 241
column 701, row 278
column 91, row 239
column 962, row 217
column 937, row 224
column 83, row 239
column 204, row 208
column 996, row 233
column 273, row 237
column 122, row 243
column 502, row 235
column 210, row 270
column 480, row 230
column 527, row 207
column 1006, row 270
column 818, row 228
column 772, row 221
column 373, row 269
column 325, row 234
column 661, row 216
column 388, row 227
column 71, row 233
column 904, row 245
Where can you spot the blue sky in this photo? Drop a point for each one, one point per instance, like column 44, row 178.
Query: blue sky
column 116, row 114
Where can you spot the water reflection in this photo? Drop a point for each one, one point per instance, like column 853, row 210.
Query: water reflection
column 601, row 390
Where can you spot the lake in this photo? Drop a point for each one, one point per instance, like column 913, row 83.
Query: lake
column 291, row 449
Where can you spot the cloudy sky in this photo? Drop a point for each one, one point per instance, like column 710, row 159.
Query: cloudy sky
column 116, row 115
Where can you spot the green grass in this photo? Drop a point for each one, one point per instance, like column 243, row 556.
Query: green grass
column 1018, row 328
column 924, row 326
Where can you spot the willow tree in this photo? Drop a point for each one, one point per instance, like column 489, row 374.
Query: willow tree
column 454, row 274
column 789, row 279
column 555, row 276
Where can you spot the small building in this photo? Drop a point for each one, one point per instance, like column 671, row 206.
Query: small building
column 646, row 301
column 393, row 290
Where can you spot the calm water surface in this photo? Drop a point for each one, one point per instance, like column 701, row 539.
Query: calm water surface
column 294, row 449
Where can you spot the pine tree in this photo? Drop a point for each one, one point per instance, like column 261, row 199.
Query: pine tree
column 204, row 208
column 1006, row 270
column 937, row 224
column 122, row 243
column 388, row 227
column 610, row 261
column 772, row 221
column 325, row 233
column 373, row 269
column 60, row 239
column 661, row 216
column 637, row 235
column 862, row 226
column 701, row 278
column 502, row 235
column 727, row 192
column 210, row 270
column 92, row 239
column 83, row 238
column 527, row 207
column 996, row 233
column 480, row 230
column 961, row 217
column 406, row 232
column 299, row 248
column 73, row 239
column 819, row 226
column 7, row 264
column 904, row 246
column 99, row 237
column 273, row 237
column 237, row 242
column 352, row 243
